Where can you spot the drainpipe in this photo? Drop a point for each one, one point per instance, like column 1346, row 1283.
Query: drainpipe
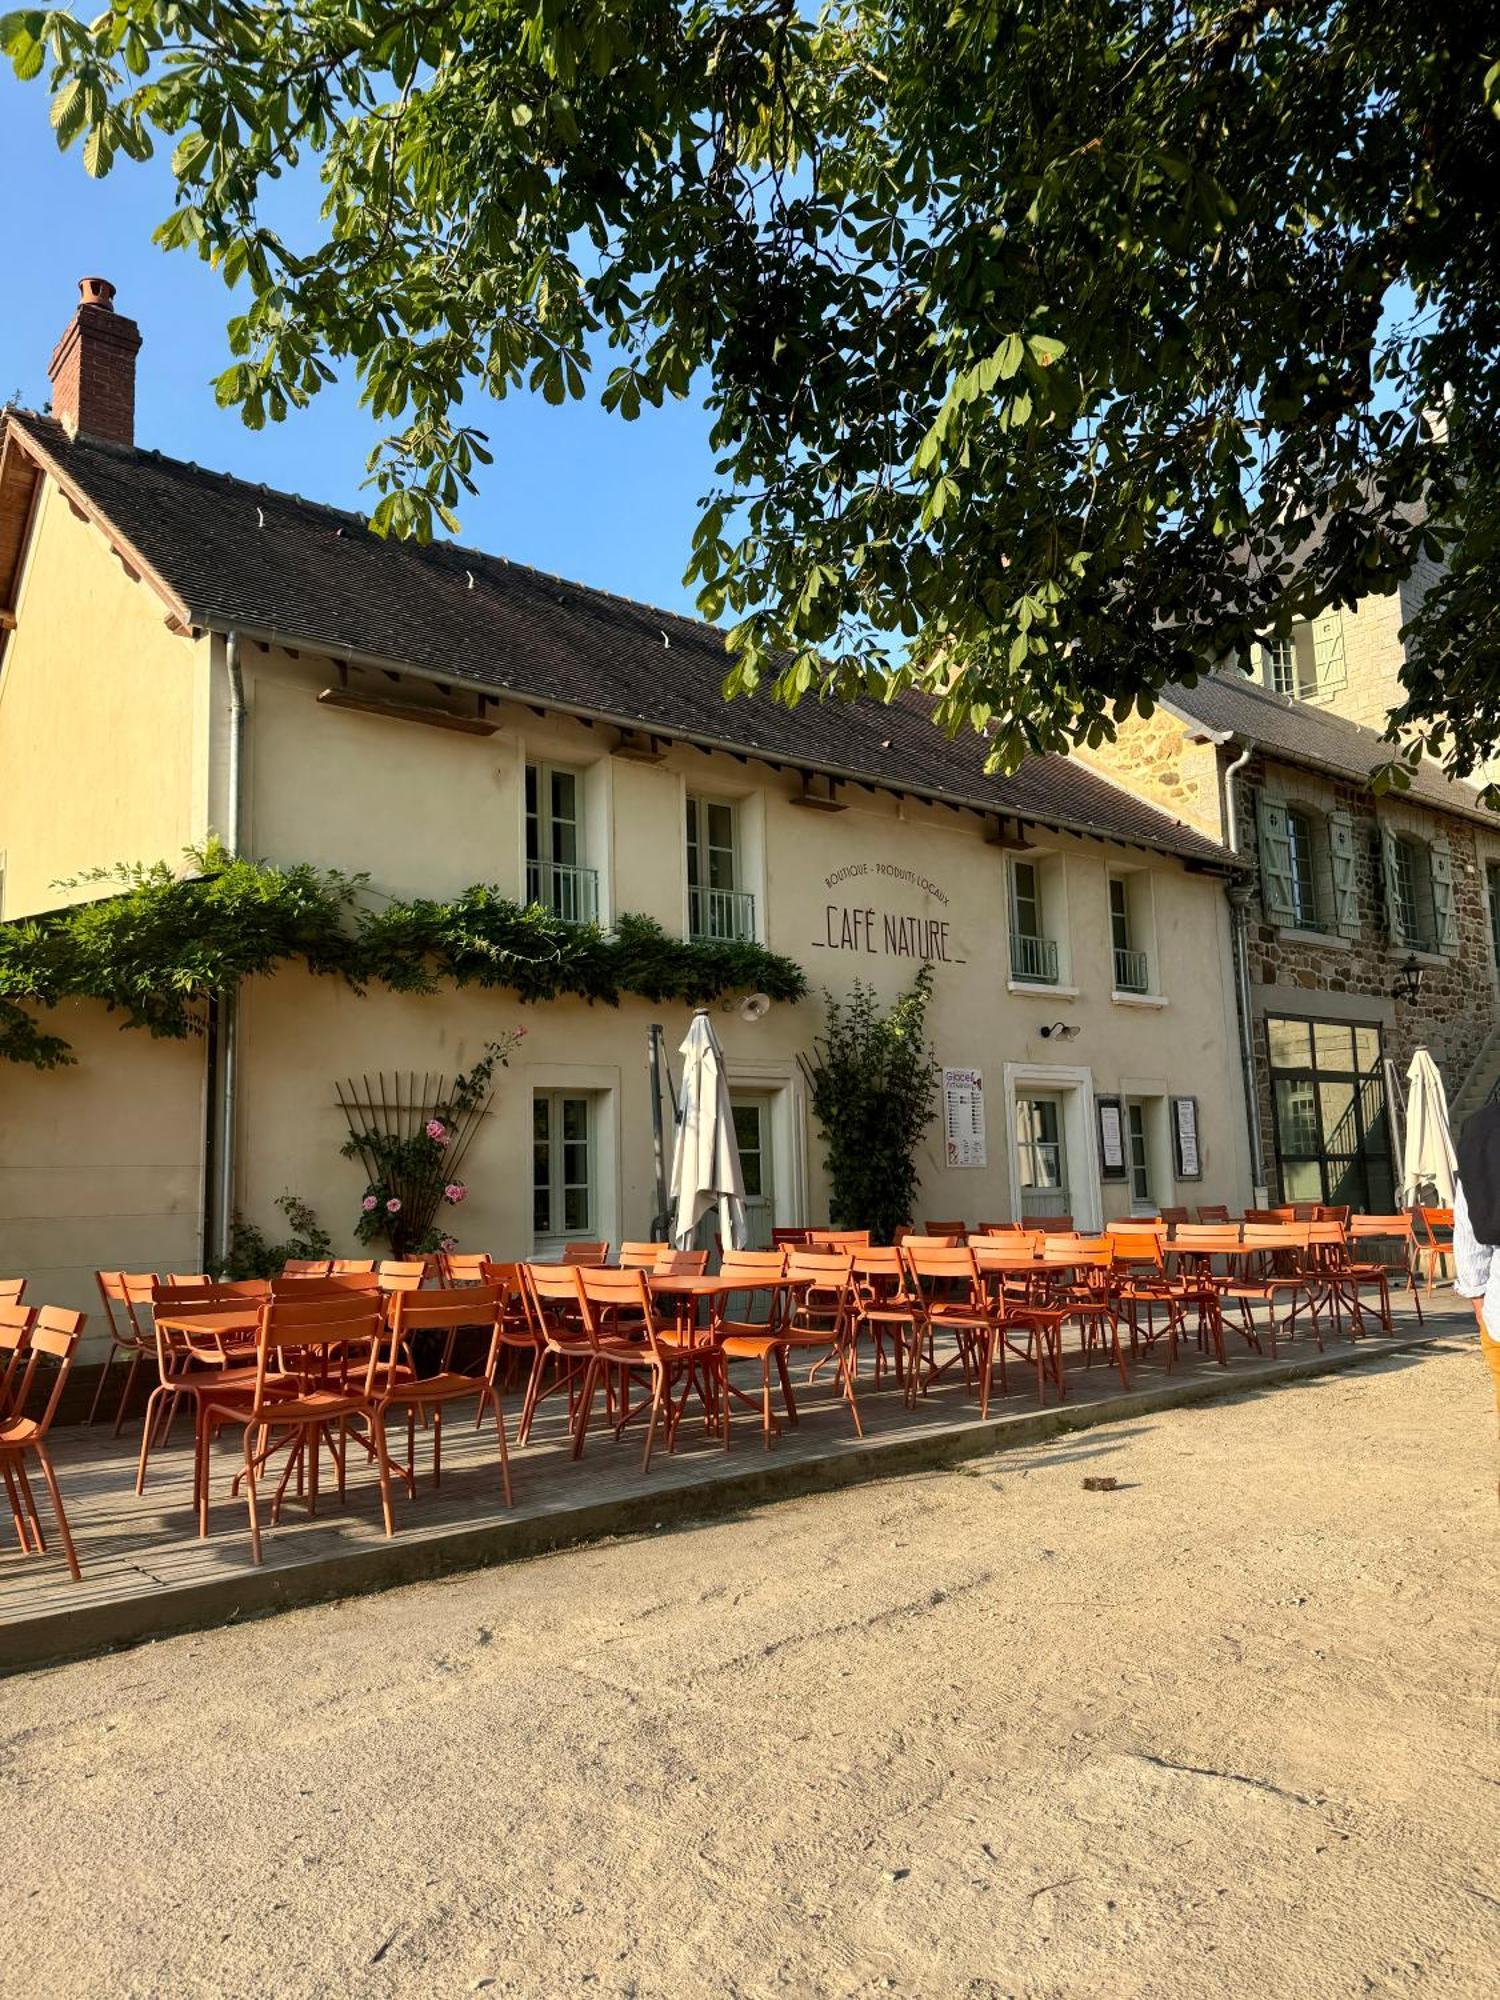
column 226, row 1005
column 1240, row 894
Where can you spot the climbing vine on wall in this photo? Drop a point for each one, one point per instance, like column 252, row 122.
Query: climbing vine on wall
column 158, row 943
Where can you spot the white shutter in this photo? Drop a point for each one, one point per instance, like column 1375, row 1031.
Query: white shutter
column 1444, row 901
column 1275, row 862
column 1330, row 671
column 1342, row 866
column 1392, row 888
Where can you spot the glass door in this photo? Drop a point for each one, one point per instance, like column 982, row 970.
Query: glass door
column 1331, row 1122
column 1041, row 1155
column 752, row 1131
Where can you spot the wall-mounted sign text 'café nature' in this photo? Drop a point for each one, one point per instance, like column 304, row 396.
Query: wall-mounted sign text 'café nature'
column 861, row 927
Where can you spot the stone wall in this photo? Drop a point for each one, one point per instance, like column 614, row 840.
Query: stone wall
column 1299, row 972
column 1156, row 759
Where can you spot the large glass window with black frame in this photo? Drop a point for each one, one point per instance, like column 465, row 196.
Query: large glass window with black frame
column 1332, row 1124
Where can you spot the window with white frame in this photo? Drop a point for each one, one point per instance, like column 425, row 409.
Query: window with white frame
column 1034, row 956
column 563, row 1198
column 1132, row 964
column 556, row 874
column 1309, row 664
column 1411, row 898
column 1278, row 665
column 1305, row 870
column 720, row 907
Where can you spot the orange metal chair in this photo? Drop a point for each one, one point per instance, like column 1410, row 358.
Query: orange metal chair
column 307, row 1387
column 54, row 1336
column 955, row 1300
column 1367, row 1270
column 461, row 1267
column 959, row 1231
column 1433, row 1241
column 613, row 1298
column 641, row 1256
column 886, row 1306
column 121, row 1292
column 837, row 1239
column 591, row 1254
column 817, row 1317
column 392, row 1382
column 1087, row 1295
column 746, row 1339
column 1287, row 1273
column 1213, row 1211
column 1049, row 1225
column 12, row 1291
column 351, row 1267
column 554, row 1299
column 401, row 1274
column 307, row 1267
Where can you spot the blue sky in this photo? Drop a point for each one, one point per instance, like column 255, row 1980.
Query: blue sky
column 574, row 490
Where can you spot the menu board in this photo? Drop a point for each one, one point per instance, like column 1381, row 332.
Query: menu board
column 1185, row 1138
column 1111, row 1139
column 963, row 1118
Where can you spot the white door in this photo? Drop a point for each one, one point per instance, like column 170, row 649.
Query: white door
column 752, row 1131
column 1041, row 1154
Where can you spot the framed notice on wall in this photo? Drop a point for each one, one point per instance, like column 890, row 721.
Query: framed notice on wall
column 1185, row 1138
column 963, row 1118
column 1111, row 1139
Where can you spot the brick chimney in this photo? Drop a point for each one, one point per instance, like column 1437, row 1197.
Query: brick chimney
column 92, row 370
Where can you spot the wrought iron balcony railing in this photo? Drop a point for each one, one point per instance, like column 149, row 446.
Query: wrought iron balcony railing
column 568, row 892
column 722, row 916
column 1033, row 959
column 1132, row 971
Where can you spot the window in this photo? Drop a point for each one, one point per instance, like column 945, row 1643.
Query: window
column 717, row 905
column 1278, row 662
column 1033, row 955
column 562, row 1163
column 1309, row 867
column 1132, row 967
column 1329, row 1113
column 1304, row 849
column 1310, row 664
column 1409, row 870
column 555, row 875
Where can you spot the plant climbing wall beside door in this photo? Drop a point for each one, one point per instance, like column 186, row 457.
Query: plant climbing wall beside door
column 873, row 1079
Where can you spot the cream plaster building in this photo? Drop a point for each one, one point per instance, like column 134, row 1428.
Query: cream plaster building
column 184, row 652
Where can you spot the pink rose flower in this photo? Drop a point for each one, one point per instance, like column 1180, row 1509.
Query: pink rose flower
column 393, row 1207
column 454, row 1191
column 368, row 1203
column 449, row 1243
column 437, row 1131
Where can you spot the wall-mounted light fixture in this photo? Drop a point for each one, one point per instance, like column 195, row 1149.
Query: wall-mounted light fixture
column 1059, row 1031
column 1408, row 986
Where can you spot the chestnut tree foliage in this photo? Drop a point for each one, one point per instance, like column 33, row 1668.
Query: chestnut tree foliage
column 1055, row 349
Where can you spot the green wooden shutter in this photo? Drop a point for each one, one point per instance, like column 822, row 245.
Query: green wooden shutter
column 1275, row 862
column 1444, row 901
column 1342, row 866
column 1392, row 888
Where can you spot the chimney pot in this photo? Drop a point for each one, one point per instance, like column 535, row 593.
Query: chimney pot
column 92, row 370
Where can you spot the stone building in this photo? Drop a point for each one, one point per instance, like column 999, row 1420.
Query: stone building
column 1355, row 899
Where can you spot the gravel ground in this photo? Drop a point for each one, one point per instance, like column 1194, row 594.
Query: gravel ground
column 1232, row 1728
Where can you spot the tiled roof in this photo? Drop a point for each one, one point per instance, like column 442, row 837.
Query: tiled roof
column 274, row 566
column 1316, row 737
